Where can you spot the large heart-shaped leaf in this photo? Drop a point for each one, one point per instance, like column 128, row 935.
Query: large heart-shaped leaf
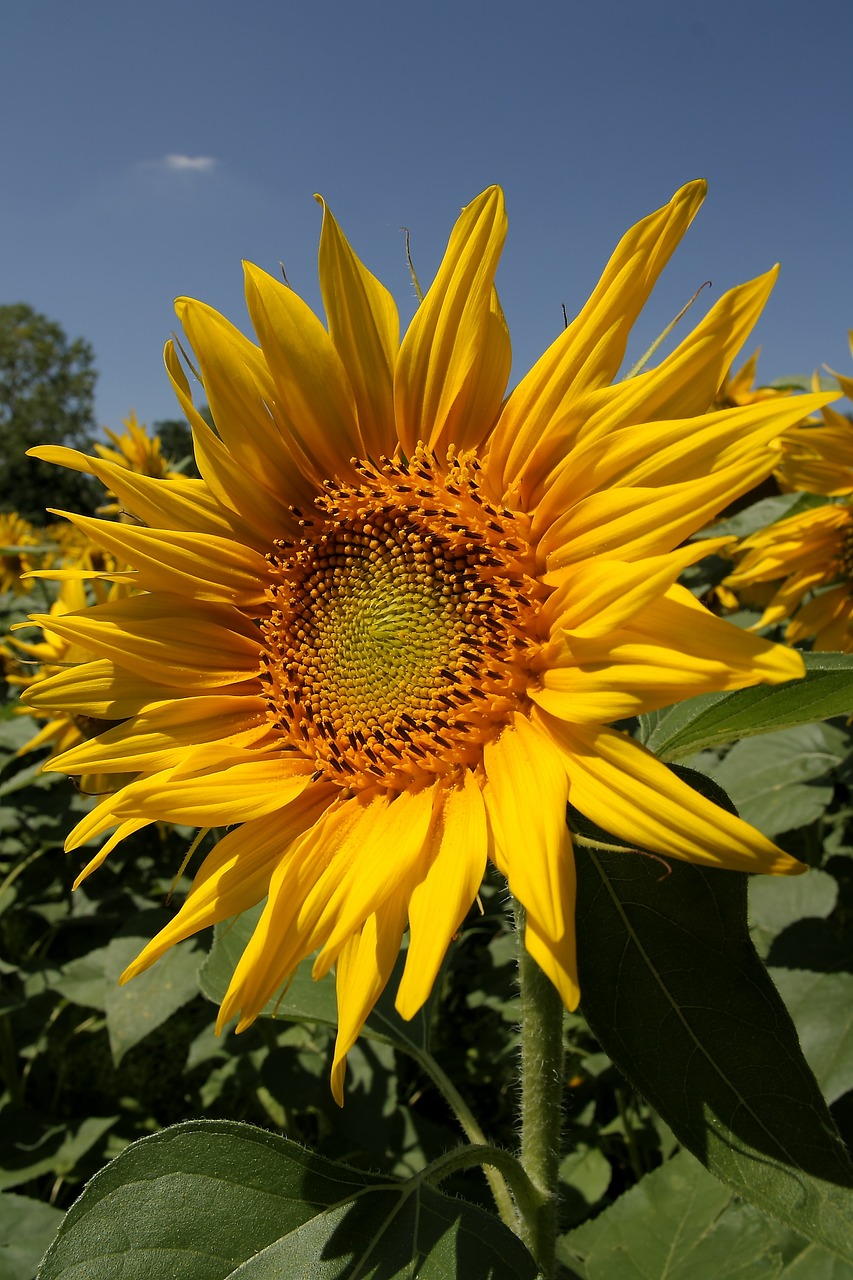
column 675, row 992
column 209, row 1200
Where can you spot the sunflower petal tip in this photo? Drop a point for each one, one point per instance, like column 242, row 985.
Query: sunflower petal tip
column 406, row 1005
column 693, row 192
column 789, row 867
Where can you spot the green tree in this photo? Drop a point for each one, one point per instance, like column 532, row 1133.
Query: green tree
column 47, row 386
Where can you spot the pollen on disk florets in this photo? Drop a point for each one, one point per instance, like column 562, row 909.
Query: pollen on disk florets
column 403, row 623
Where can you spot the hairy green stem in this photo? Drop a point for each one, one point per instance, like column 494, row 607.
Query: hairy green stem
column 489, row 1157
column 475, row 1135
column 542, row 1055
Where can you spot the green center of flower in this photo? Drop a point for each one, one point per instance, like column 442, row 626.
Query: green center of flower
column 402, row 624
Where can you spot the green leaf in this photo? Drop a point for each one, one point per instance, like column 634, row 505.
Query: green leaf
column 821, row 1005
column 585, row 1175
column 30, row 1148
column 14, row 732
column 83, row 981
column 26, row 1229
column 675, row 993
column 716, row 718
column 680, row 1223
column 777, row 901
column 138, row 1008
column 207, row 1200
column 761, row 514
column 771, row 781
column 814, row 1263
column 677, row 1222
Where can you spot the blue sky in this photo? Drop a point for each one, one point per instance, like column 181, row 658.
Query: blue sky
column 147, row 148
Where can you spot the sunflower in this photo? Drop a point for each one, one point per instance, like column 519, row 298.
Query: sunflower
column 806, row 561
column 134, row 450
column 20, row 544
column 384, row 636
column 27, row 662
column 739, row 388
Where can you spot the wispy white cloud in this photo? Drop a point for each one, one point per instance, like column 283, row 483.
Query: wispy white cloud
column 167, row 187
column 189, row 164
column 175, row 163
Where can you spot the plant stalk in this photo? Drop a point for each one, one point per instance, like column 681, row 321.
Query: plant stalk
column 542, row 1057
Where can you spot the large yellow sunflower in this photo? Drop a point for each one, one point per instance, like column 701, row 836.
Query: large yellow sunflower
column 383, row 637
column 806, row 561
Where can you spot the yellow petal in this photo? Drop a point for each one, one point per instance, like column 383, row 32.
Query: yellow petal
column 790, row 595
column 315, row 399
column 124, row 830
column 597, row 596
column 159, row 736
column 107, row 692
column 741, row 383
column 826, row 616
column 365, row 328
column 182, row 503
column 673, row 649
column 589, row 352
column 672, row 452
column 363, row 968
column 393, row 854
column 557, row 957
column 50, row 732
column 234, row 480
column 197, row 565
column 526, row 804
column 159, row 636
column 452, row 367
column 624, row 789
column 287, row 929
column 627, row 524
column 682, row 386
column 222, row 793
column 95, row 823
column 809, row 541
column 241, row 394
column 456, row 854
column 835, row 635
column 235, row 874
column 480, row 400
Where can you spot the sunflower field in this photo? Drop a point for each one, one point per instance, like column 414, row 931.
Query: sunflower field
column 426, row 813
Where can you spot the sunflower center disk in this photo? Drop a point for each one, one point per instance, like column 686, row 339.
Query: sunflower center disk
column 403, row 624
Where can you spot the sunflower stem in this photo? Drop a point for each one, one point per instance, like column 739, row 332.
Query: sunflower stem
column 488, row 1157
column 542, row 1054
column 470, row 1126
